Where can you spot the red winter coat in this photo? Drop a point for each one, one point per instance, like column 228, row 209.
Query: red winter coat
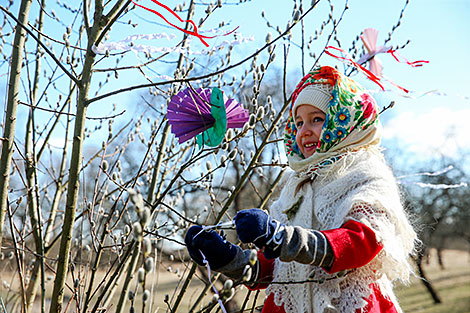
column 345, row 241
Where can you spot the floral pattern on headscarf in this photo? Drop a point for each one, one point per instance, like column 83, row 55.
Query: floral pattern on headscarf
column 351, row 109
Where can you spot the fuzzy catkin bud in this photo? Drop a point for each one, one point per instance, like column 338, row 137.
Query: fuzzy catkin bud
column 136, row 198
column 147, row 245
column 232, row 154
column 209, row 165
column 146, row 295
column 260, row 113
column 230, row 134
column 141, row 275
column 145, row 216
column 105, row 165
column 269, row 37
column 223, row 159
column 252, row 121
column 130, row 295
column 247, row 273
column 228, row 284
column 148, row 264
column 137, row 229
column 296, row 16
column 245, row 128
column 253, row 257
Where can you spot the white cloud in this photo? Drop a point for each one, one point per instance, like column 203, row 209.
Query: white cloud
column 439, row 129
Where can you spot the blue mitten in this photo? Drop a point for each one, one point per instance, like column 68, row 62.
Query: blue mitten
column 256, row 226
column 218, row 252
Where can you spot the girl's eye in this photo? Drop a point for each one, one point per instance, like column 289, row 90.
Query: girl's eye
column 299, row 124
column 318, row 119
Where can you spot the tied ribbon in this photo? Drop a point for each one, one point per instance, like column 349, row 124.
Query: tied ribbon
column 395, row 54
column 358, row 66
column 189, row 32
column 362, row 69
column 369, row 38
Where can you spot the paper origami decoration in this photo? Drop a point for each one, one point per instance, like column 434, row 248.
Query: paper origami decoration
column 205, row 113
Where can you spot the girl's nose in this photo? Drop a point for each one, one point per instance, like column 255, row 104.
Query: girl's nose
column 305, row 131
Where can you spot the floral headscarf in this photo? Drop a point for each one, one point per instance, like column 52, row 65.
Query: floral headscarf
column 352, row 120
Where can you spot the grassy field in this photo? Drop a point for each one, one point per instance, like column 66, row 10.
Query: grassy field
column 452, row 285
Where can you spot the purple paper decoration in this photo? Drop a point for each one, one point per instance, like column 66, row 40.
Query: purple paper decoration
column 189, row 113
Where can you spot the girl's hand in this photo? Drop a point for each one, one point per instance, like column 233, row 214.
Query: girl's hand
column 218, row 252
column 256, row 226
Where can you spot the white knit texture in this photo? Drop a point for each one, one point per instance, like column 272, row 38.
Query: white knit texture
column 359, row 186
column 318, row 95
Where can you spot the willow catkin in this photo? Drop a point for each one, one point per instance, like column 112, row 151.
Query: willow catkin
column 228, row 284
column 232, row 154
column 260, row 113
column 146, row 295
column 149, row 264
column 137, row 229
column 141, row 275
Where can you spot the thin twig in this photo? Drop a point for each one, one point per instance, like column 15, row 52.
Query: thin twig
column 51, row 54
column 189, row 79
column 71, row 114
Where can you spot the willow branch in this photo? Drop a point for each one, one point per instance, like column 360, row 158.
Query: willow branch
column 51, row 54
column 12, row 104
column 221, row 71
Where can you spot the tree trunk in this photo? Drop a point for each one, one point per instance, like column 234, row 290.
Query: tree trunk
column 75, row 165
column 425, row 281
column 12, row 104
column 440, row 259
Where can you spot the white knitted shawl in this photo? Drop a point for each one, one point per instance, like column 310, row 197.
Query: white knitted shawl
column 359, row 186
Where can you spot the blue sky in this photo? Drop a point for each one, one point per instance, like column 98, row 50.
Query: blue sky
column 438, row 31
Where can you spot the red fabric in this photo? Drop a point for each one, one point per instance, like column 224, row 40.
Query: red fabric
column 354, row 245
column 376, row 303
column 266, row 268
column 345, row 241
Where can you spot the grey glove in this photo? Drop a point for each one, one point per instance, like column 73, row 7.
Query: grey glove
column 306, row 246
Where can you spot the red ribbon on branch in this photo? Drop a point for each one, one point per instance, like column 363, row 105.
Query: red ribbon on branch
column 358, row 66
column 368, row 73
column 395, row 54
column 192, row 33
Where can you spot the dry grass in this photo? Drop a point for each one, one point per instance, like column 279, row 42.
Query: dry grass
column 452, row 285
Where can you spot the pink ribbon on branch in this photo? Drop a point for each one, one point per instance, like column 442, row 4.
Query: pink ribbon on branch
column 369, row 38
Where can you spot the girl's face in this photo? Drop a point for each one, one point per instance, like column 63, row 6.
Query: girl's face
column 309, row 122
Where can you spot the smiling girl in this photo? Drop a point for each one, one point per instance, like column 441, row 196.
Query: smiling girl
column 338, row 237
